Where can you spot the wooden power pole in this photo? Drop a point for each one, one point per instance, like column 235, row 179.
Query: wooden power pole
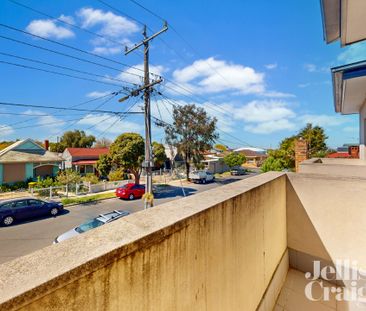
column 146, row 89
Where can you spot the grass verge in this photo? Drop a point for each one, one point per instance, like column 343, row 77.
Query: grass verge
column 86, row 199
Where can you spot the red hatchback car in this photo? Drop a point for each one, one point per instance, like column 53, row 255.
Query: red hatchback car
column 130, row 191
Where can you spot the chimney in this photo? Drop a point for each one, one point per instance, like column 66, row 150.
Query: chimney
column 46, row 144
column 301, row 152
column 354, row 152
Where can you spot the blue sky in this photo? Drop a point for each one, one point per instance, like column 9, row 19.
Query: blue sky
column 261, row 67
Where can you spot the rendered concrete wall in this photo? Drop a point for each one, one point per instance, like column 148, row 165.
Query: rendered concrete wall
column 334, row 167
column 326, row 218
column 217, row 250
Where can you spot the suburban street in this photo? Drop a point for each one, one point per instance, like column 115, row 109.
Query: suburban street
column 26, row 237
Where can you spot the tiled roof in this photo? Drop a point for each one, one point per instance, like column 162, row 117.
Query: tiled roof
column 339, row 155
column 81, row 152
column 251, row 153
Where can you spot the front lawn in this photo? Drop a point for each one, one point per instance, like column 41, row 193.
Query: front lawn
column 89, row 198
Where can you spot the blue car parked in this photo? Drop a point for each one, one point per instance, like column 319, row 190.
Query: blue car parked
column 25, row 208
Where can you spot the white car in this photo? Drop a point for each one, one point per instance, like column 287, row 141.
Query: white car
column 102, row 219
column 201, row 177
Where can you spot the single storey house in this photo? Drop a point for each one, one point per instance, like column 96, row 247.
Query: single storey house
column 254, row 156
column 25, row 160
column 82, row 160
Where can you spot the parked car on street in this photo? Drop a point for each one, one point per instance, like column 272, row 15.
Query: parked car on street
column 101, row 220
column 201, row 176
column 130, row 191
column 237, row 171
column 25, row 208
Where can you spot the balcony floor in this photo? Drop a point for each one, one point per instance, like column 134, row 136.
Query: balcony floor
column 292, row 296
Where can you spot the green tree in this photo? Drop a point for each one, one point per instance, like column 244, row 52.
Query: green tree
column 284, row 157
column 90, row 177
column 104, row 164
column 158, row 151
column 192, row 133
column 316, row 137
column 68, row 176
column 56, row 147
column 73, row 139
column 127, row 152
column 234, row 159
column 273, row 164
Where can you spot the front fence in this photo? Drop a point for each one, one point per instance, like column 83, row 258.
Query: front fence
column 57, row 192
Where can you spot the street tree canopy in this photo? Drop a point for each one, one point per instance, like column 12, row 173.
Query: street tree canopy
column 158, row 151
column 234, row 159
column 192, row 133
column 73, row 139
column 284, row 157
column 104, row 164
column 127, row 152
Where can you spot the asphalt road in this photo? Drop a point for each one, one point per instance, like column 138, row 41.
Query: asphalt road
column 26, row 237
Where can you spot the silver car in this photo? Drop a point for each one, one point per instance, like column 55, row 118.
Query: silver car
column 102, row 219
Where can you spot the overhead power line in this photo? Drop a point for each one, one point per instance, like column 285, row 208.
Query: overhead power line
column 57, row 73
column 65, row 22
column 174, row 103
column 65, row 68
column 69, row 56
column 121, row 12
column 64, row 108
column 93, row 110
column 69, row 46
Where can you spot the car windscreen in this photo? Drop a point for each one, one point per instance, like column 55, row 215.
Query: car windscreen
column 90, row 224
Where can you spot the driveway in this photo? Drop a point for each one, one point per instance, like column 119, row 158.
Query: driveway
column 26, row 237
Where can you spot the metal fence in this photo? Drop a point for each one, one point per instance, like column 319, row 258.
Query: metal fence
column 75, row 189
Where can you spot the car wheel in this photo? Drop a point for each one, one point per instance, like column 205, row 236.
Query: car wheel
column 8, row 220
column 54, row 211
column 131, row 197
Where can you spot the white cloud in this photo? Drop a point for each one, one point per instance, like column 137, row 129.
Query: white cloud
column 6, row 130
column 110, row 124
column 314, row 68
column 310, row 67
column 275, row 94
column 112, row 25
column 117, row 28
column 351, row 129
column 47, row 28
column 353, row 53
column 96, row 94
column 67, row 19
column 104, row 50
column 263, row 111
column 48, row 122
column 213, row 76
column 270, row 126
column 271, row 66
column 323, row 120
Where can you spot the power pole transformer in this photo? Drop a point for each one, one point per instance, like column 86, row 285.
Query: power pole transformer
column 146, row 89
